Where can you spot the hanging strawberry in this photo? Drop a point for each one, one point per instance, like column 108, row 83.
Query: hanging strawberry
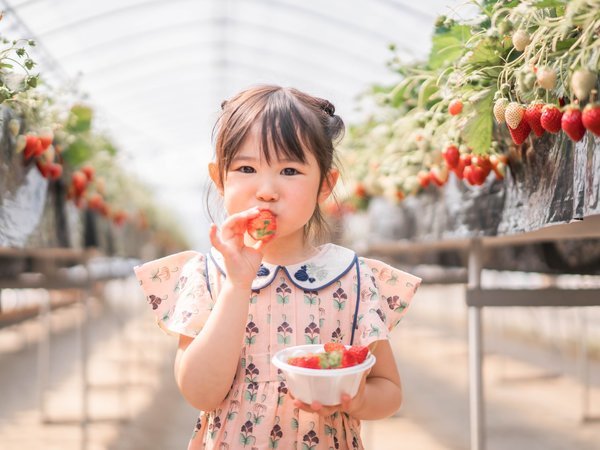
column 78, row 182
column 521, row 39
column 451, row 156
column 533, row 114
column 591, row 118
column 582, row 82
column 424, row 178
column 88, row 171
column 550, row 118
column 439, row 175
column 572, row 124
column 500, row 109
column 520, row 133
column 514, row 114
column 546, row 78
column 455, row 107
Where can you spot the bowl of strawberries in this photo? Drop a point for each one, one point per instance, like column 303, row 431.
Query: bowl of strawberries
column 322, row 373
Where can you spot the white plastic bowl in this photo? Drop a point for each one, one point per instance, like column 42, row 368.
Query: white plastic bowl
column 322, row 385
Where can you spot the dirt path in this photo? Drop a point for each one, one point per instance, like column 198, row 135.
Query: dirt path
column 532, row 398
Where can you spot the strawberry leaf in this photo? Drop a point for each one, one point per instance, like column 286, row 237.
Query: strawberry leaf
column 477, row 132
column 448, row 46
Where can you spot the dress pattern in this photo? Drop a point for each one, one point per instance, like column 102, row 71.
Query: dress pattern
column 312, row 302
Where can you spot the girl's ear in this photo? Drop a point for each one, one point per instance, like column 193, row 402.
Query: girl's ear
column 213, row 171
column 328, row 184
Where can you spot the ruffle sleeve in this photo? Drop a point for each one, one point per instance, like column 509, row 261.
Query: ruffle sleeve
column 176, row 289
column 385, row 296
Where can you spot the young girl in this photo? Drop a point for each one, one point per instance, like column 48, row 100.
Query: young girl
column 236, row 306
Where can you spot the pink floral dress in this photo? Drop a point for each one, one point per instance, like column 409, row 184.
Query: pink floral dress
column 333, row 296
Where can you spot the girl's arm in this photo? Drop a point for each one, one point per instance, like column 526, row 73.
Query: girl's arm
column 205, row 366
column 382, row 393
column 379, row 395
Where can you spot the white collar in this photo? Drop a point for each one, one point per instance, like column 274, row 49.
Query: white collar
column 317, row 272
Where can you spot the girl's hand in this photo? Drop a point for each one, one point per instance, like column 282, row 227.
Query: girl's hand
column 347, row 404
column 241, row 261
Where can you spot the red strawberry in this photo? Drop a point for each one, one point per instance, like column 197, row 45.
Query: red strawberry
column 307, row 361
column 79, row 182
column 262, row 226
column 571, row 123
column 468, row 175
column 423, row 177
column 452, row 156
column 96, row 202
column 360, row 352
column 334, row 346
column 550, row 118
column 478, row 175
column 46, row 140
column 119, row 217
column 591, row 118
column 464, row 161
column 439, row 175
column 483, row 162
column 348, row 359
column 43, row 168
column 55, row 171
column 520, row 133
column 360, row 191
column 533, row 114
column 89, row 172
column 455, row 107
column 33, row 146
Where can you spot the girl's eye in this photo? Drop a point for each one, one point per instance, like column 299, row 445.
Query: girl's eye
column 289, row 171
column 246, row 169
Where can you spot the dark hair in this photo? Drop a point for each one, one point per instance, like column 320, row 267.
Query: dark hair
column 291, row 122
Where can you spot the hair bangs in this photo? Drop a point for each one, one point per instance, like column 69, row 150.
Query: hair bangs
column 281, row 125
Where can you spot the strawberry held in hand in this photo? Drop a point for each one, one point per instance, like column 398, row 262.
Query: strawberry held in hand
column 262, row 226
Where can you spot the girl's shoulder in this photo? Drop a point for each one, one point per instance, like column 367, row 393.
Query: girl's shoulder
column 169, row 267
column 384, row 275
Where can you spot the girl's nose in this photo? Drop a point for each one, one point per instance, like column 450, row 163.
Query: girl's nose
column 267, row 193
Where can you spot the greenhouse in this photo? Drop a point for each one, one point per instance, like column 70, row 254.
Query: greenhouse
column 214, row 216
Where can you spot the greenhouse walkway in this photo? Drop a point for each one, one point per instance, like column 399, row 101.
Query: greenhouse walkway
column 533, row 397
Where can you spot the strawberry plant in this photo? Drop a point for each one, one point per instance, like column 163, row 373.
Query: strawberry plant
column 519, row 62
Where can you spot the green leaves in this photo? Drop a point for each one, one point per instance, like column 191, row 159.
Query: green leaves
column 448, row 46
column 477, row 132
column 80, row 119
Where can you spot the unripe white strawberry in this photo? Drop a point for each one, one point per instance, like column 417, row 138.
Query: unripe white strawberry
column 500, row 109
column 520, row 40
column 546, row 77
column 14, row 126
column 582, row 82
column 21, row 143
column 514, row 114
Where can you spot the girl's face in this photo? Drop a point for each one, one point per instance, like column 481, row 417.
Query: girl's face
column 289, row 189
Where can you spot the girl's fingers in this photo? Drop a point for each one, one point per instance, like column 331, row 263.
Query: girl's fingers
column 214, row 237
column 346, row 399
column 235, row 224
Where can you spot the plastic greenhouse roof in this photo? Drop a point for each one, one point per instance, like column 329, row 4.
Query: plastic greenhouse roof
column 156, row 71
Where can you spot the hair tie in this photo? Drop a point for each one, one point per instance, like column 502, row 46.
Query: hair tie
column 223, row 104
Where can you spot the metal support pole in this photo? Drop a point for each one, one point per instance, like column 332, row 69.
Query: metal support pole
column 43, row 368
column 582, row 366
column 84, row 330
column 476, row 401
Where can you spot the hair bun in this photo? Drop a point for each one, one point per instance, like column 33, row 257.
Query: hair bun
column 329, row 108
